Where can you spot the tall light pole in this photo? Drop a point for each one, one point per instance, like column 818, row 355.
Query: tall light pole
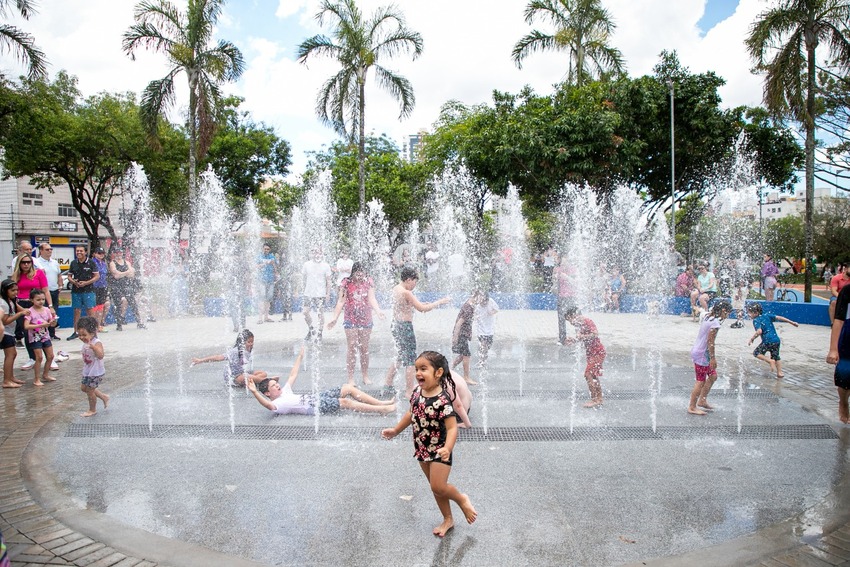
column 672, row 164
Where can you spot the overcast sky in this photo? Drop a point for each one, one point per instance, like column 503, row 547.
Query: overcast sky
column 467, row 47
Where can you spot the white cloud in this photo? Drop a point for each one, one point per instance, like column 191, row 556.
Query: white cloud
column 466, row 56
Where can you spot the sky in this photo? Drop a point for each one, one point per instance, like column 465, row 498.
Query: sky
column 467, row 47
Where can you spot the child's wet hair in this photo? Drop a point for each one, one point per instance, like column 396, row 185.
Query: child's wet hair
column 88, row 324
column 571, row 311
column 754, row 308
column 36, row 292
column 719, row 307
column 6, row 286
column 358, row 267
column 438, row 361
column 409, row 273
column 263, row 385
column 243, row 337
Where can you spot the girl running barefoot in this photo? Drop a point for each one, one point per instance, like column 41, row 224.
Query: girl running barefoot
column 93, row 369
column 10, row 312
column 705, row 360
column 36, row 323
column 435, row 434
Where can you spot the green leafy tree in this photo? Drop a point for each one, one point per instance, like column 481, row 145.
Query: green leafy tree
column 783, row 43
column 276, row 200
column 358, row 44
column 785, row 238
column 832, row 231
column 186, row 40
column 56, row 137
column 400, row 186
column 832, row 165
column 583, row 29
column 245, row 154
column 20, row 42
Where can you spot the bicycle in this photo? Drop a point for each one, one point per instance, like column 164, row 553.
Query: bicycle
column 783, row 293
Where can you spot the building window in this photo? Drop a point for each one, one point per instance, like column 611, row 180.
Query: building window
column 32, row 199
column 66, row 210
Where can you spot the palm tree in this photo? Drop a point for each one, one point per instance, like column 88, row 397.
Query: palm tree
column 23, row 44
column 582, row 28
column 783, row 42
column 186, row 39
column 358, row 44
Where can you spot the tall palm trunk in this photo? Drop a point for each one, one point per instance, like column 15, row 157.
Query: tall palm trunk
column 193, row 134
column 811, row 44
column 361, row 142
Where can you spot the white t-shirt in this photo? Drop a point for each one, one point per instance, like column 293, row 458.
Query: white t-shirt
column 315, row 275
column 290, row 402
column 343, row 269
column 699, row 353
column 485, row 318
column 4, row 309
column 51, row 269
column 431, row 257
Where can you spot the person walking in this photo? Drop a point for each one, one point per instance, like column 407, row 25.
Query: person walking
column 53, row 272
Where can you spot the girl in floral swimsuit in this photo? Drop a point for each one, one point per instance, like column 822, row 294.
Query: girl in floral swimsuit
column 434, row 435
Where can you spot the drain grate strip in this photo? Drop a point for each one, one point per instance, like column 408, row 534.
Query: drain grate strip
column 477, row 434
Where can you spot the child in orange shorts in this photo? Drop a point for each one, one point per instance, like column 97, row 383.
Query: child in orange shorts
column 594, row 352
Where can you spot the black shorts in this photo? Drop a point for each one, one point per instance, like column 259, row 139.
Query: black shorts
column 100, row 295
column 772, row 348
column 8, row 341
column 842, row 373
column 461, row 347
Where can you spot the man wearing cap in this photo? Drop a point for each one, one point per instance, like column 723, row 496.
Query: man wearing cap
column 53, row 271
column 82, row 274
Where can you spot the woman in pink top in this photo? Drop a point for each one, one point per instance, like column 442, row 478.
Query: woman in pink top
column 29, row 278
column 357, row 299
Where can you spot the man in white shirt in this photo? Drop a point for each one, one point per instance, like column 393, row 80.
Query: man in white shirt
column 315, row 291
column 51, row 269
column 343, row 267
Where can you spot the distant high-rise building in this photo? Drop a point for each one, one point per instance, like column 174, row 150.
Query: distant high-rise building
column 414, row 143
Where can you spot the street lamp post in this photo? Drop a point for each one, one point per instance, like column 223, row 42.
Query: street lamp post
column 672, row 164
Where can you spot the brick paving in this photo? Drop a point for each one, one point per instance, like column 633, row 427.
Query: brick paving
column 35, row 537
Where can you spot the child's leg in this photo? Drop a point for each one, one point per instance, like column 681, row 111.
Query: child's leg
column 410, row 379
column 438, row 476
column 39, row 356
column 706, row 388
column 363, row 336
column 692, row 405
column 9, row 380
column 364, row 407
column 843, row 405
column 48, row 360
column 391, row 372
column 350, row 353
column 595, row 391
column 466, row 371
column 361, row 396
column 89, row 392
column 779, row 373
column 103, row 397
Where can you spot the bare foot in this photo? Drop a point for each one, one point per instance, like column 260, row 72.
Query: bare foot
column 705, row 405
column 105, row 400
column 470, row 381
column 389, row 408
column 38, row 383
column 443, row 529
column 17, row 381
column 366, row 380
column 48, row 379
column 468, row 510
column 390, row 402
column 88, row 414
column 593, row 403
column 11, row 385
column 696, row 411
column 780, row 376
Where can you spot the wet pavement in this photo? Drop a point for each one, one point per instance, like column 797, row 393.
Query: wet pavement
column 181, row 471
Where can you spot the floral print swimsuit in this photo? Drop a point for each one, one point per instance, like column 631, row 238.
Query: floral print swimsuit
column 429, row 427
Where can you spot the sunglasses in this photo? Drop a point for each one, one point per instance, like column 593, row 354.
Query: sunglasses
column 26, row 261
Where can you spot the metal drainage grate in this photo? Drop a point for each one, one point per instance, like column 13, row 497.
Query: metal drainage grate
column 309, row 433
column 748, row 393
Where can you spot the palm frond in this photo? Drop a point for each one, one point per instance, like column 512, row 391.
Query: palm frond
column 399, row 87
column 23, row 45
column 146, row 35
column 534, row 41
column 318, row 45
column 401, row 40
column 156, row 98
column 24, row 7
column 163, row 15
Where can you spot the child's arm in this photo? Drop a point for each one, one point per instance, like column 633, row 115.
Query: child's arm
column 712, row 358
column 264, row 401
column 451, row 437
column 456, row 331
column 338, row 309
column 832, row 355
column 424, row 307
column 391, row 432
column 784, row 320
column 213, row 358
column 28, row 324
column 373, row 301
column 97, row 349
column 755, row 336
column 293, row 374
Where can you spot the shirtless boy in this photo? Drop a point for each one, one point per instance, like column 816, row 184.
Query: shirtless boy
column 404, row 302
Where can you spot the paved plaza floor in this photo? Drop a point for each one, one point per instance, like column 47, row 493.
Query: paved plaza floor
column 182, row 471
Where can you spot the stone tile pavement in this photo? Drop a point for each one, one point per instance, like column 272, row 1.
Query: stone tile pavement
column 36, row 536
